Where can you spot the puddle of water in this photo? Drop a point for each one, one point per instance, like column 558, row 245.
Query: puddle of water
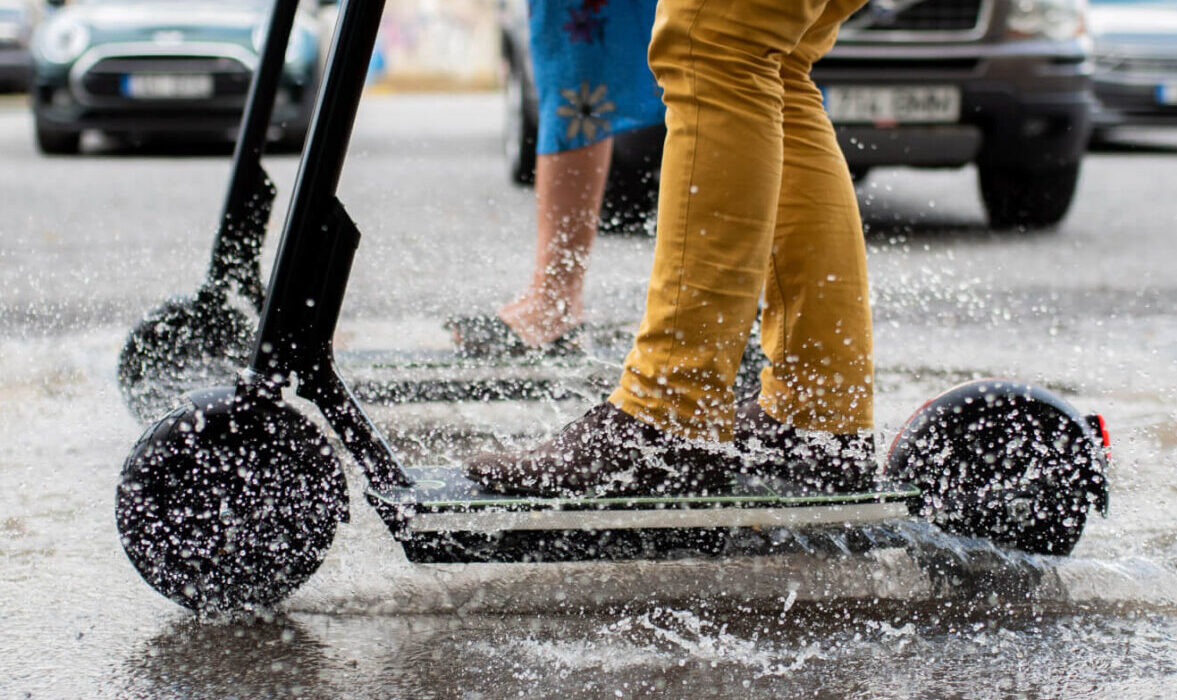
column 77, row 621
column 664, row 652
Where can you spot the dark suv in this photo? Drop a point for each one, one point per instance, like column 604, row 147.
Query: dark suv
column 1004, row 84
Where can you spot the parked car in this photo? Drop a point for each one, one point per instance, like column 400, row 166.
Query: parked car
column 16, row 27
column 1135, row 49
column 631, row 191
column 139, row 68
column 1003, row 84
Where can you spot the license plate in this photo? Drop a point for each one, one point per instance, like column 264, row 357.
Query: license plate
column 1167, row 94
column 167, row 86
column 893, row 104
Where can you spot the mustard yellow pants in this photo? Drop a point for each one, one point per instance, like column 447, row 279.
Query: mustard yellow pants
column 755, row 198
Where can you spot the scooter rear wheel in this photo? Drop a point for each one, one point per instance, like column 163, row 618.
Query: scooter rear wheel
column 230, row 502
column 1003, row 460
column 186, row 343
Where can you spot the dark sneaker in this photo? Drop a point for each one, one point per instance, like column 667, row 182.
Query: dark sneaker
column 607, row 452
column 815, row 460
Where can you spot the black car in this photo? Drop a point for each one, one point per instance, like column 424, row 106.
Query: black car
column 1002, row 84
column 631, row 191
column 139, row 68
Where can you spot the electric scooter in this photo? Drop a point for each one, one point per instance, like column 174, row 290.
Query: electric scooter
column 189, row 341
column 231, row 500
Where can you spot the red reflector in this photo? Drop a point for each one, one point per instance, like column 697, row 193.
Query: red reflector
column 1103, row 430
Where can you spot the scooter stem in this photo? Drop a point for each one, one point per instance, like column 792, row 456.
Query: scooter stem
column 250, row 197
column 319, row 240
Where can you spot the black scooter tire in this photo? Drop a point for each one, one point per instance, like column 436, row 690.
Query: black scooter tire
column 230, row 502
column 1006, row 461
column 186, row 343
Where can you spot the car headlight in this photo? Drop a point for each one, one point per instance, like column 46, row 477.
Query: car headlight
column 296, row 49
column 11, row 30
column 64, row 40
column 1046, row 19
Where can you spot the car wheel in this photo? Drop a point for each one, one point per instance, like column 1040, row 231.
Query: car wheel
column 58, row 141
column 1101, row 137
column 630, row 202
column 519, row 129
column 1028, row 198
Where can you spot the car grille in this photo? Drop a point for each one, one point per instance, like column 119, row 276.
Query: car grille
column 891, row 66
column 931, row 20
column 103, row 80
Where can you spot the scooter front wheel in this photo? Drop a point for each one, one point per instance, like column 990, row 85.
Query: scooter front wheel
column 230, row 502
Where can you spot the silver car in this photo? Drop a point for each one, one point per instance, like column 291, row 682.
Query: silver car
column 16, row 27
column 1135, row 47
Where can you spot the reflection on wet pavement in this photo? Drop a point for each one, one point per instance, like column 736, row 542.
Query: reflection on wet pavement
column 827, row 651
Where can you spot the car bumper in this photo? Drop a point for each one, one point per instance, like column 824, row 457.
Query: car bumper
column 1028, row 108
column 996, row 126
column 16, row 67
column 1144, row 101
column 56, row 107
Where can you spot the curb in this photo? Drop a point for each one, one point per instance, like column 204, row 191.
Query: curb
column 13, row 101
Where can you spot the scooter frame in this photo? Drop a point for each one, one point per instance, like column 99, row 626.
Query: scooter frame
column 188, row 340
column 318, row 244
column 293, row 349
column 309, row 277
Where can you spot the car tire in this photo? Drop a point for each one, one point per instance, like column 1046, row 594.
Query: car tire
column 1101, row 137
column 630, row 202
column 1027, row 198
column 58, row 141
column 520, row 128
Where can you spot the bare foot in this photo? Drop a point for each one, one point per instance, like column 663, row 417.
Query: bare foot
column 540, row 318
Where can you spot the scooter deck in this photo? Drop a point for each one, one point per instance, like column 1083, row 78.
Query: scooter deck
column 440, row 374
column 445, row 517
column 410, row 376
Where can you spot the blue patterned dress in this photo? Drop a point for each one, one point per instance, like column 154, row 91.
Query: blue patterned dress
column 591, row 75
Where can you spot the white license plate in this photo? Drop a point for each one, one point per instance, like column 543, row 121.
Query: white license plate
column 167, row 86
column 1167, row 94
column 893, row 104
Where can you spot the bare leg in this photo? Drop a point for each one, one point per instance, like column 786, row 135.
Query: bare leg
column 569, row 187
